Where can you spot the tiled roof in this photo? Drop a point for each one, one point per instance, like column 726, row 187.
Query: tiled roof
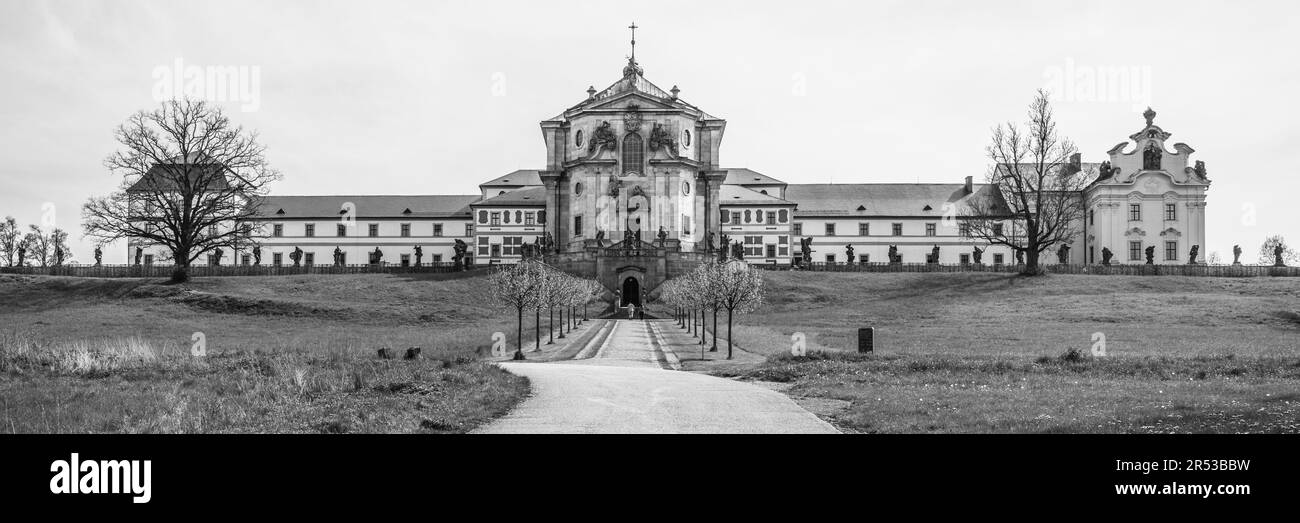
column 737, row 195
column 162, row 177
column 519, row 178
column 743, row 176
column 530, row 196
column 367, row 206
column 886, row 199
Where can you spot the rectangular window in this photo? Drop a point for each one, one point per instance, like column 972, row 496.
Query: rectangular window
column 277, row 230
column 245, row 259
column 309, row 230
column 686, row 224
column 482, row 245
column 406, row 260
column 577, row 225
column 930, row 229
column 437, row 230
column 1134, row 250
column 864, row 229
column 469, row 229
column 496, row 251
column 771, row 217
column 726, row 217
column 771, row 250
column 997, row 259
column 512, row 245
column 277, row 259
column 1092, row 217
column 496, row 219
column 830, row 259
column 830, row 229
column 212, row 231
column 1135, row 212
column 963, row 229
column 340, row 230
column 1171, row 251
column 528, row 218
column 437, row 258
column 897, row 229
column 1171, row 212
column 309, row 258
column 798, row 229
column 997, row 229
column 1092, row 254
column 406, row 230
column 965, row 259
column 735, row 217
column 374, row 230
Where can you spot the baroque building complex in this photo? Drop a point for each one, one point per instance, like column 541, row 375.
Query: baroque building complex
column 633, row 190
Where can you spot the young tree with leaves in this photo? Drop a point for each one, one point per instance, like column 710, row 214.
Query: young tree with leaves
column 740, row 289
column 517, row 286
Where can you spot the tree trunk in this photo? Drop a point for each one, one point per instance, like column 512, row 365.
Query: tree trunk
column 519, row 345
column 1031, row 261
column 715, row 331
column 550, row 329
column 537, row 329
column 561, row 323
column 728, row 333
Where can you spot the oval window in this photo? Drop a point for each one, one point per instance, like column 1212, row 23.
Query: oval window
column 686, row 137
column 577, row 188
column 686, row 187
column 577, row 138
column 482, row 216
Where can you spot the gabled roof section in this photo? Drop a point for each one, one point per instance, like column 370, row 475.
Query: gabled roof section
column 366, row 206
column 633, row 82
column 737, row 195
column 519, row 178
column 742, row 176
column 532, row 196
column 163, row 176
column 887, row 199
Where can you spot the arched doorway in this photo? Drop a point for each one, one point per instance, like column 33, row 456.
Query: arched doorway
column 631, row 292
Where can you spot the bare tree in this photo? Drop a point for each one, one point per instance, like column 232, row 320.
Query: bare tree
column 47, row 249
column 1267, row 251
column 192, row 183
column 9, row 238
column 1035, row 199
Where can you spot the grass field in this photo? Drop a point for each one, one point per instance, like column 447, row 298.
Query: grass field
column 970, row 352
column 284, row 354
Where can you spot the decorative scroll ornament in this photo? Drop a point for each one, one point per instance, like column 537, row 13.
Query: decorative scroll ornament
column 661, row 138
column 602, row 139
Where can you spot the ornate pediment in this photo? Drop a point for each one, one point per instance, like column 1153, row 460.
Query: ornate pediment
column 1136, row 231
column 1171, row 232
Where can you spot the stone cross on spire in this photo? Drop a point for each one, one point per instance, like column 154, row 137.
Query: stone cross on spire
column 632, row 68
column 633, row 28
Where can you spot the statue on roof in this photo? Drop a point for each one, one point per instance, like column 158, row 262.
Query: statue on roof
column 1200, row 170
column 1151, row 157
column 1105, row 170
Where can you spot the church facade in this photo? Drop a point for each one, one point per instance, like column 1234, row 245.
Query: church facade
column 633, row 191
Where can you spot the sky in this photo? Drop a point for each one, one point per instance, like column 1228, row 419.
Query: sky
column 389, row 97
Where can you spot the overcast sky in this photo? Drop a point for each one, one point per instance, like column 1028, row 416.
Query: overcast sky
column 381, row 97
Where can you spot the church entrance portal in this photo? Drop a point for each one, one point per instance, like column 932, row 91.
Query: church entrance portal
column 631, row 292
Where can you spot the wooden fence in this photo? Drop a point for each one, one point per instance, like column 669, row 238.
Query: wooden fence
column 199, row 271
column 1125, row 270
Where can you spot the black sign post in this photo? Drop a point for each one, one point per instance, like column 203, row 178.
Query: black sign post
column 866, row 339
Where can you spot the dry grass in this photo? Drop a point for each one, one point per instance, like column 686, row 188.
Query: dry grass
column 285, row 354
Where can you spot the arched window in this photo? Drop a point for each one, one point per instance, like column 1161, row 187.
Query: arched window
column 633, row 155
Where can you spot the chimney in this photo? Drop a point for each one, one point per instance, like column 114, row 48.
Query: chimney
column 970, row 184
